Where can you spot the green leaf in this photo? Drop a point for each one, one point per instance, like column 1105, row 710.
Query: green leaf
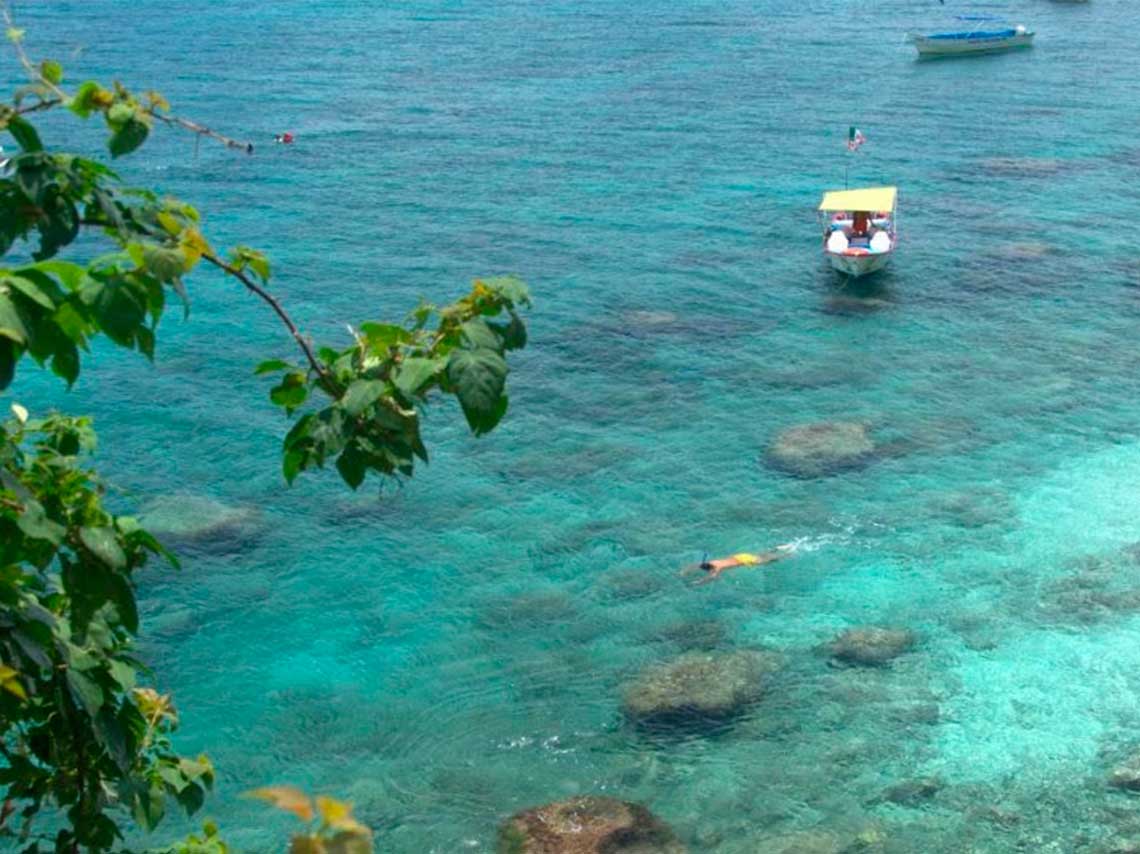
column 327, row 433
column 25, row 135
column 51, row 71
column 361, row 394
column 119, row 114
column 70, row 274
column 118, row 307
column 30, row 289
column 35, row 524
column 124, row 599
column 65, row 362
column 149, row 806
column 163, row 263
column 85, row 692
column 58, row 227
column 128, row 137
column 352, row 465
column 478, row 377
column 513, row 333
column 104, row 544
column 292, row 462
column 83, row 101
column 291, row 392
column 124, row 674
column 109, row 731
column 259, row 264
column 11, row 321
column 510, row 288
column 173, row 777
column 381, row 336
column 413, row 372
column 271, row 365
column 478, row 333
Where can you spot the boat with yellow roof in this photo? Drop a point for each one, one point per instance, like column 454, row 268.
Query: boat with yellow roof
column 860, row 232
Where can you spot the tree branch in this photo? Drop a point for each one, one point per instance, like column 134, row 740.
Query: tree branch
column 46, row 104
column 202, row 130
column 62, row 97
column 328, row 383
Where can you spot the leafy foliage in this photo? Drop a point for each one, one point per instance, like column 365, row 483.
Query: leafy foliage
column 331, row 827
column 79, row 734
column 77, row 729
column 378, row 383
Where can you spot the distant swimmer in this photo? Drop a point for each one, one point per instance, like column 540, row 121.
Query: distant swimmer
column 284, row 138
column 716, row 566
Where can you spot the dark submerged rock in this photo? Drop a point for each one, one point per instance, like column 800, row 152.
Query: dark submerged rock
column 697, row 689
column 587, row 825
column 911, row 793
column 872, row 645
column 627, row 584
column 1126, row 775
column 822, row 448
column 693, row 634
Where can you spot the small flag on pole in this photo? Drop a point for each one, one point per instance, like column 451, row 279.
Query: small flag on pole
column 855, row 138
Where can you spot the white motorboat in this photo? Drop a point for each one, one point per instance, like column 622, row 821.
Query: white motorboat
column 860, row 232
column 979, row 39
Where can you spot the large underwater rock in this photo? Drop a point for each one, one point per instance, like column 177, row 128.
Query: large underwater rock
column 587, row 825
column 1100, row 587
column 1126, row 775
column 697, row 689
column 871, row 645
column 825, row 447
column 197, row 522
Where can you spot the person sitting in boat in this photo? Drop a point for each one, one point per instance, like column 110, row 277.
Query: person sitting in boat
column 861, row 224
column 715, row 567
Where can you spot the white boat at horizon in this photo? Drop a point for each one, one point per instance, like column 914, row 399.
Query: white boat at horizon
column 860, row 232
column 972, row 41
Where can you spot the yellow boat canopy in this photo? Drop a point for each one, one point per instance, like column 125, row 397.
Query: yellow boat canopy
column 868, row 199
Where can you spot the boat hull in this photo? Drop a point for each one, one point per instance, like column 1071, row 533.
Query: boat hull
column 929, row 47
column 858, row 265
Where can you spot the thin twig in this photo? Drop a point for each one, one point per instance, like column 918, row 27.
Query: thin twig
column 328, row 383
column 175, row 121
column 26, row 61
column 202, row 130
column 46, row 104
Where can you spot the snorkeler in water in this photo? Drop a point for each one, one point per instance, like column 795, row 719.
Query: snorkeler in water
column 715, row 567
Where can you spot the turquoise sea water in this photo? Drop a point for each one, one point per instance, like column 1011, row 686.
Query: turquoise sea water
column 455, row 650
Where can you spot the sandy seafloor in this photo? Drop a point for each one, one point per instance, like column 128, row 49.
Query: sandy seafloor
column 454, row 650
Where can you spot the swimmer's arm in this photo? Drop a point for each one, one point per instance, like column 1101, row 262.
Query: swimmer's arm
column 711, row 575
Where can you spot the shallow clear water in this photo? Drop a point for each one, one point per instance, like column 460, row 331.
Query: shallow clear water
column 456, row 650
